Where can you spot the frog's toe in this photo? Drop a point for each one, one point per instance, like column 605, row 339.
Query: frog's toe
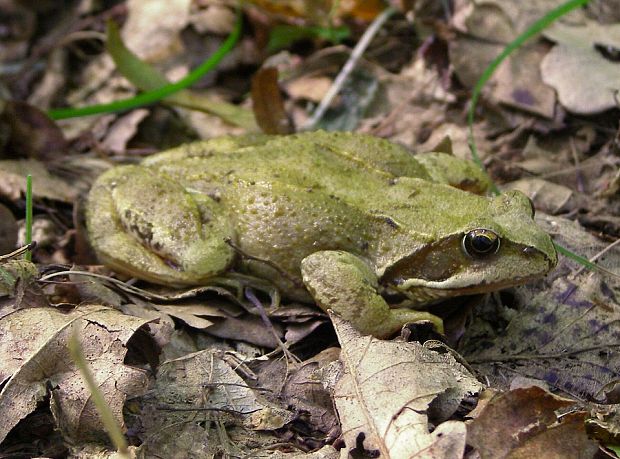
column 403, row 316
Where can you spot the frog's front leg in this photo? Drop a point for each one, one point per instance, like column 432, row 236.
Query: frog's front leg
column 144, row 224
column 343, row 282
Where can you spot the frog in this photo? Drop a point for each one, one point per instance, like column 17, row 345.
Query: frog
column 351, row 222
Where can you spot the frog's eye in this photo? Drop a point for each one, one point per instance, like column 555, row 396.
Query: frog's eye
column 480, row 242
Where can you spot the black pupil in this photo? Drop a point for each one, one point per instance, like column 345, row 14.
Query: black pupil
column 482, row 244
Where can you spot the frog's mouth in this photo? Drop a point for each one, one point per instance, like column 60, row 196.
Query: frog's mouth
column 421, row 291
column 445, row 270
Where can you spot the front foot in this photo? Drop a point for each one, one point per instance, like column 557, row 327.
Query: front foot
column 344, row 283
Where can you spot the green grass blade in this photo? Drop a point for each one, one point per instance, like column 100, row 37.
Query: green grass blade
column 28, row 254
column 147, row 78
column 105, row 412
column 160, row 93
column 532, row 30
column 584, row 261
column 128, row 64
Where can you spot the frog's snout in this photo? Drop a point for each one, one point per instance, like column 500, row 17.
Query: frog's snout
column 551, row 258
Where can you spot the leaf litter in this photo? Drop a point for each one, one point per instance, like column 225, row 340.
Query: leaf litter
column 219, row 386
column 35, row 359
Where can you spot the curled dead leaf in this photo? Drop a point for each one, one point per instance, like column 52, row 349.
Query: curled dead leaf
column 524, row 423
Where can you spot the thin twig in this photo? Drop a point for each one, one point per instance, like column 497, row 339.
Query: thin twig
column 348, row 67
column 17, row 252
column 267, row 262
column 249, row 294
column 598, row 255
column 556, row 355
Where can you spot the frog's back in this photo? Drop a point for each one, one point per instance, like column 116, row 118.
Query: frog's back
column 324, row 155
column 360, row 150
column 341, row 163
column 367, row 151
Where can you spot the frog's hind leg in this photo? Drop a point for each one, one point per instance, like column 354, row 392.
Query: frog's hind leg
column 344, row 283
column 144, row 224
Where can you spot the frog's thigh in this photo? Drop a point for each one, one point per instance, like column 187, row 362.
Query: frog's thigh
column 344, row 283
column 144, row 224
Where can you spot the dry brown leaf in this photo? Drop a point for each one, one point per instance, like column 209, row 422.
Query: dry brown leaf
column 320, row 11
column 212, row 18
column 45, row 232
column 412, row 109
column 523, row 423
column 194, row 315
column 308, row 87
column 95, row 290
column 382, row 415
column 566, row 440
column 34, row 355
column 586, row 81
column 603, row 423
column 512, row 417
column 547, row 197
column 18, row 288
column 458, row 137
column 469, row 57
column 53, row 81
column 123, row 130
column 487, row 27
column 44, row 185
column 300, row 385
column 153, row 28
column 584, row 34
column 250, row 329
column 268, row 104
column 304, row 390
column 201, row 387
column 19, row 23
column 31, row 134
column 519, row 84
column 8, row 230
column 502, row 20
column 94, row 451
